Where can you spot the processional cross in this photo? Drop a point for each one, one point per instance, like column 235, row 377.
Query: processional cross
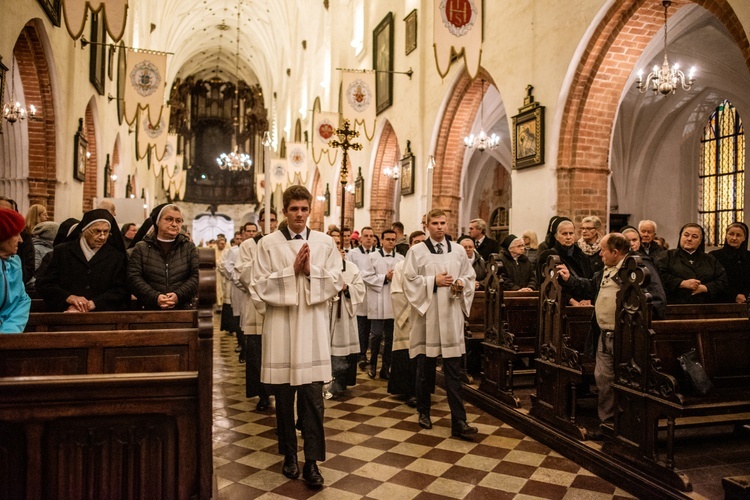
column 344, row 134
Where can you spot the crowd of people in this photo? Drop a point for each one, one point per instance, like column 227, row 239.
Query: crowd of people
column 310, row 309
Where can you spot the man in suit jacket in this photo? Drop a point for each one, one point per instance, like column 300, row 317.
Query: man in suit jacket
column 485, row 245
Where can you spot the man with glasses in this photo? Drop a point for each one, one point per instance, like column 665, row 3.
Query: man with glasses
column 377, row 275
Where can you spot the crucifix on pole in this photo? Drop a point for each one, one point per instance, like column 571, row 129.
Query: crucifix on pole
column 344, row 134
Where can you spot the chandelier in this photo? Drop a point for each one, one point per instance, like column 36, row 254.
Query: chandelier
column 394, row 171
column 482, row 141
column 14, row 110
column 664, row 80
column 236, row 161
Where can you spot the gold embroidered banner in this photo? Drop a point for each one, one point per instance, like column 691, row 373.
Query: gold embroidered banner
column 458, row 26
column 152, row 136
column 359, row 100
column 296, row 157
column 114, row 15
column 324, row 130
column 279, row 173
column 144, row 85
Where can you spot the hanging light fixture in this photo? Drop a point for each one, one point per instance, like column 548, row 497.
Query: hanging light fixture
column 664, row 80
column 236, row 161
column 14, row 110
column 482, row 141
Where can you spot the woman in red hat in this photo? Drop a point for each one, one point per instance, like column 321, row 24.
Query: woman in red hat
column 14, row 301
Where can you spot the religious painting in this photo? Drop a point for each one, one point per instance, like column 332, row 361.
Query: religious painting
column 80, row 156
column 3, row 69
column 359, row 190
column 410, row 39
column 53, row 9
column 98, row 53
column 528, row 134
column 382, row 63
column 407, row 174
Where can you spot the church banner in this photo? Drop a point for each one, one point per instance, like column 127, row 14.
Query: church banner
column 260, row 186
column 279, row 173
column 144, row 85
column 324, row 131
column 296, row 157
column 114, row 15
column 458, row 26
column 169, row 160
column 152, row 136
column 359, row 100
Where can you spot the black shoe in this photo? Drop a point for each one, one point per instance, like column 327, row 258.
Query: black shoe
column 594, row 434
column 411, row 402
column 371, row 372
column 262, row 404
column 311, row 474
column 242, row 358
column 424, row 421
column 238, row 349
column 462, row 430
column 384, row 375
column 290, row 468
column 363, row 364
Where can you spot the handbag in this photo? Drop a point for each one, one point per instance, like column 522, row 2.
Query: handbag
column 695, row 373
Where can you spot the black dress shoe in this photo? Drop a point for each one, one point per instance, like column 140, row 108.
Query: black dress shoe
column 238, row 349
column 462, row 430
column 384, row 375
column 262, row 404
column 363, row 364
column 242, row 358
column 411, row 402
column 424, row 421
column 371, row 372
column 311, row 474
column 290, row 469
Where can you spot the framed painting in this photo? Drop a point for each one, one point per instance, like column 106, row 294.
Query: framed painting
column 382, row 63
column 359, row 190
column 3, row 69
column 80, row 150
column 327, row 202
column 98, row 62
column 528, row 133
column 53, row 9
column 410, row 37
column 407, row 172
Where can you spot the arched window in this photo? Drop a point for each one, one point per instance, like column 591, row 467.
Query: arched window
column 722, row 173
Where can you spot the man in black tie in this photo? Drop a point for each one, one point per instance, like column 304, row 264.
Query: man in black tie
column 359, row 257
column 485, row 245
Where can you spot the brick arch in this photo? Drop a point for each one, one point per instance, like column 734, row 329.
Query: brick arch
column 383, row 192
column 31, row 63
column 317, row 212
column 90, row 184
column 594, row 97
column 456, row 123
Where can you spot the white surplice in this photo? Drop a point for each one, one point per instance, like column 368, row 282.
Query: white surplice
column 378, row 291
column 359, row 257
column 437, row 318
column 296, row 338
column 251, row 319
column 401, row 310
column 236, row 297
column 345, row 336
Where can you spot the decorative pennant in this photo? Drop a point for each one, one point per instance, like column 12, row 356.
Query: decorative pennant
column 144, row 85
column 324, row 130
column 359, row 100
column 152, row 137
column 170, row 155
column 260, row 186
column 279, row 173
column 114, row 14
column 458, row 26
column 296, row 156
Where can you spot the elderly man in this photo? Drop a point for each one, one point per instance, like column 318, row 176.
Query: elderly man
column 485, row 245
column 647, row 229
column 439, row 285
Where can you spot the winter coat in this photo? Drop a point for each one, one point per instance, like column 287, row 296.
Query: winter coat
column 517, row 274
column 14, row 301
column 677, row 265
column 150, row 273
column 103, row 279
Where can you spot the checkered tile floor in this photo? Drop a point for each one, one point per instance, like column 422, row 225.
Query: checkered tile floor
column 375, row 449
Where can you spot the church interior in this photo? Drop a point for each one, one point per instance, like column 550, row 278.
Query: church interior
column 621, row 109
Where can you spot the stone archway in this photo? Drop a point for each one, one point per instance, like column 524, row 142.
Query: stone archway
column 383, row 192
column 455, row 124
column 38, row 141
column 591, row 106
column 89, row 131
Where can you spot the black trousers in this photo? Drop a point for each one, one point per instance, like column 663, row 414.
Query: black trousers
column 253, row 355
column 311, row 407
column 363, row 328
column 452, row 368
column 381, row 330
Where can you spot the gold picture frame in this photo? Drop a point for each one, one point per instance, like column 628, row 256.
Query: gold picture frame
column 81, row 146
column 359, row 190
column 382, row 63
column 410, row 36
column 407, row 171
column 528, row 133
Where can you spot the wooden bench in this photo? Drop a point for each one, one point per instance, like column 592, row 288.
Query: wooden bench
column 649, row 385
column 127, row 394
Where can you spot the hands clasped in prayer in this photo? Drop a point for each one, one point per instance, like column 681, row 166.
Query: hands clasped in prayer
column 167, row 300
column 695, row 285
column 302, row 262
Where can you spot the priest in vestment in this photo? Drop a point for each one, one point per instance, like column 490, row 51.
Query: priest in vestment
column 296, row 273
column 439, row 285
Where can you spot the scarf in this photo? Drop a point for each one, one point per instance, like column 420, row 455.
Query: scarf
column 591, row 248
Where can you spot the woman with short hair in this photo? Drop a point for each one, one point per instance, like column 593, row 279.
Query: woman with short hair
column 590, row 241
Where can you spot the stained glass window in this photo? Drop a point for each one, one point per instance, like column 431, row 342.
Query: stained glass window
column 722, row 173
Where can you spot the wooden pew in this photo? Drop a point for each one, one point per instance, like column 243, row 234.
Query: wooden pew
column 170, row 411
column 649, row 386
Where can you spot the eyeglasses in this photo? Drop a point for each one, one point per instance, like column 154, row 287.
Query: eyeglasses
column 588, row 229
column 98, row 232
column 172, row 220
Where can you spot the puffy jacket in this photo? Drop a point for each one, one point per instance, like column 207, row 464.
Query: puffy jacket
column 14, row 301
column 151, row 273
